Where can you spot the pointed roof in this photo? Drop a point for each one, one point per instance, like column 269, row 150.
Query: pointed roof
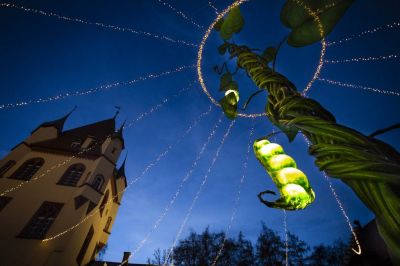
column 119, row 134
column 99, row 131
column 58, row 123
column 121, row 170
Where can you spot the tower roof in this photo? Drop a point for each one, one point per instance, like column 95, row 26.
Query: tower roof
column 99, row 131
column 58, row 123
column 121, row 170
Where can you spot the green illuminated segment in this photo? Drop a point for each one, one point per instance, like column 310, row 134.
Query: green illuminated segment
column 292, row 183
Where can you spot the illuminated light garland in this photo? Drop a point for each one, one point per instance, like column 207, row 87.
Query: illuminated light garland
column 180, row 13
column 95, row 89
column 340, row 205
column 69, row 159
column 98, row 24
column 198, row 193
column 210, row 4
column 389, row 26
column 363, row 59
column 144, row 172
column 158, row 106
column 285, row 228
column 236, row 206
column 237, row 3
column 175, row 196
column 354, row 86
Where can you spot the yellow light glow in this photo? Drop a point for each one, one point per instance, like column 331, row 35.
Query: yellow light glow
column 234, row 92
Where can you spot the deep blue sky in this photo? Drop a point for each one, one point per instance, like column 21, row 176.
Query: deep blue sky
column 42, row 56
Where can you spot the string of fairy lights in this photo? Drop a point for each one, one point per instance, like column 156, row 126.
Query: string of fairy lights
column 97, row 24
column 104, row 87
column 340, row 205
column 158, row 106
column 200, row 190
column 210, row 4
column 238, row 196
column 95, row 144
column 355, row 86
column 180, row 13
column 178, row 191
column 135, row 180
column 389, row 26
column 363, row 59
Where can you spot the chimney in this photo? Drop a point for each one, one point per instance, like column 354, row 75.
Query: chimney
column 125, row 258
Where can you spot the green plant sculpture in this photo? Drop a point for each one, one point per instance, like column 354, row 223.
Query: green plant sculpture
column 367, row 165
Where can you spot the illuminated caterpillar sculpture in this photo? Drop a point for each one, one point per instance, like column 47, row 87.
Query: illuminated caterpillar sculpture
column 293, row 186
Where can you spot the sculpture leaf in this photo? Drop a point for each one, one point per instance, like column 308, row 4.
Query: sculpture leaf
column 304, row 28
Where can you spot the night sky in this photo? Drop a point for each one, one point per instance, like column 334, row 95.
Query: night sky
column 43, row 56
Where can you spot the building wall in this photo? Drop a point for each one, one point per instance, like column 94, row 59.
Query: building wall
column 27, row 200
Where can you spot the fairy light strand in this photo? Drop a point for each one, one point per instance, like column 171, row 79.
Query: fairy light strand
column 340, row 205
column 355, row 86
column 221, row 15
column 175, row 196
column 98, row 24
column 96, row 143
column 159, row 105
column 132, row 182
column 363, row 59
column 180, row 13
column 95, row 89
column 210, row 4
column 238, row 195
column 389, row 26
column 200, row 189
column 285, row 228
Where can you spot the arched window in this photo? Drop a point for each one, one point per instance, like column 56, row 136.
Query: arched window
column 104, row 202
column 108, row 223
column 7, row 166
column 72, row 175
column 98, row 182
column 28, row 169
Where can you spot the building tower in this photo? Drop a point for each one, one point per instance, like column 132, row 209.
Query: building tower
column 72, row 175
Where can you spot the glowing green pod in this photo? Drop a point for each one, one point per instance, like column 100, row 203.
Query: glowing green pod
column 292, row 183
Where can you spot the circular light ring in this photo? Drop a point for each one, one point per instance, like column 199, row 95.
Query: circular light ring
column 221, row 15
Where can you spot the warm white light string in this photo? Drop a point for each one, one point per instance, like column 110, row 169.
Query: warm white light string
column 363, row 59
column 389, row 26
column 175, row 196
column 340, row 205
column 98, row 24
column 285, row 228
column 158, row 106
column 132, row 182
column 238, row 195
column 354, row 86
column 200, row 189
column 180, row 13
column 210, row 4
column 95, row 89
column 70, row 158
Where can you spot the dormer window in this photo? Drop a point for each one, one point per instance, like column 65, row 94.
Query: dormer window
column 89, row 141
column 76, row 144
column 98, row 182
